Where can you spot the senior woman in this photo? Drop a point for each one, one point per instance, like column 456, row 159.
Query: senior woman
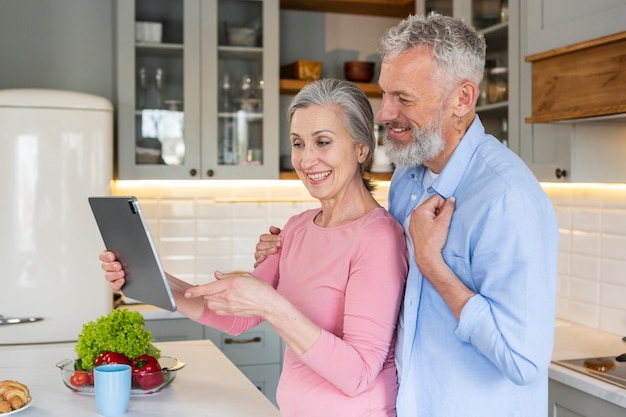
column 333, row 290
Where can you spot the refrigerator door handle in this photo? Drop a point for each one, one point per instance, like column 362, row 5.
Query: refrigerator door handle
column 17, row 320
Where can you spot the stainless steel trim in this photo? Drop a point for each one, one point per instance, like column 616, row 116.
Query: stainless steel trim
column 17, row 320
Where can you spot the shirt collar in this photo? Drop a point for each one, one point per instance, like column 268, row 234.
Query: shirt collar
column 453, row 171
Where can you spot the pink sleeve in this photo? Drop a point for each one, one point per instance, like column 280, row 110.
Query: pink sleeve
column 372, row 303
column 268, row 272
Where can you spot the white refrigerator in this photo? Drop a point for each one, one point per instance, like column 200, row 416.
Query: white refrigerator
column 56, row 149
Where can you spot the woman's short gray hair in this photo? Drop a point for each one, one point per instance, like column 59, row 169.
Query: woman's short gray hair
column 354, row 108
column 458, row 49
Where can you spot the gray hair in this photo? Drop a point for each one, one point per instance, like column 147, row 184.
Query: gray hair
column 458, row 50
column 355, row 111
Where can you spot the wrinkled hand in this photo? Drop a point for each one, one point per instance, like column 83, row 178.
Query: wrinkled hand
column 430, row 223
column 268, row 245
column 235, row 294
column 113, row 271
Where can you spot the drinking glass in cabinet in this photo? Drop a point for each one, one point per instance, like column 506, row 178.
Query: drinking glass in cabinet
column 240, row 56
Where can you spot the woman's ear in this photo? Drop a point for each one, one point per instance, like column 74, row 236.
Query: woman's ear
column 363, row 152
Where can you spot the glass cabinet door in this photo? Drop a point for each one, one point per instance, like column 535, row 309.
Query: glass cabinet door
column 158, row 132
column 243, row 70
column 240, row 76
column 159, row 95
column 197, row 89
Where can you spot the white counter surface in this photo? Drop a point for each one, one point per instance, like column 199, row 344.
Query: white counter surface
column 576, row 342
column 209, row 385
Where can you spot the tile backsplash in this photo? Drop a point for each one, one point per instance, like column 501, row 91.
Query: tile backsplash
column 206, row 226
column 592, row 254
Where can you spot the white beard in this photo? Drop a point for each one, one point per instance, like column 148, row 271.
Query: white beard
column 427, row 143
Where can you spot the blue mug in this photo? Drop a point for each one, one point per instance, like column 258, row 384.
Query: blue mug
column 112, row 385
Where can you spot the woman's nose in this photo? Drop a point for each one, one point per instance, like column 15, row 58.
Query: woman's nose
column 309, row 158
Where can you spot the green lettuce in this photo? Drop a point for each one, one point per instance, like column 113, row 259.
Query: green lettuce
column 121, row 331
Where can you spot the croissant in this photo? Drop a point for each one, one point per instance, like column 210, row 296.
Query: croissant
column 13, row 395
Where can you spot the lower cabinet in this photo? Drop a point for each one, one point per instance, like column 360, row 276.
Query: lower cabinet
column 257, row 352
column 565, row 401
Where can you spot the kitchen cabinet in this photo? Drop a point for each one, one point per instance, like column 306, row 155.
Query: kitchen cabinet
column 174, row 70
column 566, row 401
column 586, row 150
column 556, row 23
column 499, row 22
column 257, row 352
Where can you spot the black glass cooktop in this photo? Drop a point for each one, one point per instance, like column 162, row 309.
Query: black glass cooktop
column 607, row 369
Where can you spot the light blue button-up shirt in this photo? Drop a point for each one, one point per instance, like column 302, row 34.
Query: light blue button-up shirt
column 502, row 244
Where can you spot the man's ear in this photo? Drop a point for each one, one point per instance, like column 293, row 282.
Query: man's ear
column 467, row 94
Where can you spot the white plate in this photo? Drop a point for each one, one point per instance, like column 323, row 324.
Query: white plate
column 28, row 404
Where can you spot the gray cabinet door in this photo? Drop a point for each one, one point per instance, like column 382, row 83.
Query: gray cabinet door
column 565, row 401
column 557, row 23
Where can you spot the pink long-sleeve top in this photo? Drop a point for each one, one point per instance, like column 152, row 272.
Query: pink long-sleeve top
column 349, row 280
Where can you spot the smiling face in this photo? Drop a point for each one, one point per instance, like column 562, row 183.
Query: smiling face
column 414, row 110
column 323, row 153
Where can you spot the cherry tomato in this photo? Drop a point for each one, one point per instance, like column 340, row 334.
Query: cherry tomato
column 79, row 378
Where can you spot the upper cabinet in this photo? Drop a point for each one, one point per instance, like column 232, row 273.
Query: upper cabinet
column 568, row 45
column 197, row 89
column 498, row 20
column 557, row 23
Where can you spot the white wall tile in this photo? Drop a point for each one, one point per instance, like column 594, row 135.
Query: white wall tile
column 177, row 209
column 177, row 247
column 613, row 320
column 584, row 290
column 613, row 272
column 214, row 227
column 177, row 228
column 586, row 267
column 585, row 243
column 613, row 222
column 214, row 246
column 612, row 295
column 614, row 247
column 586, row 314
column 586, row 220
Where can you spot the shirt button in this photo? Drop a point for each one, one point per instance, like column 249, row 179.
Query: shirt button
column 413, row 197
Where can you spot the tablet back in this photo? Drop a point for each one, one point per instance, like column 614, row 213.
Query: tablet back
column 125, row 233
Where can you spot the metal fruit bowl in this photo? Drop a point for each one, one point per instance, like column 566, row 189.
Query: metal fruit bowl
column 169, row 367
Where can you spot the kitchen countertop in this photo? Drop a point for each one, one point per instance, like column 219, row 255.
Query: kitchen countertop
column 573, row 341
column 151, row 312
column 209, row 384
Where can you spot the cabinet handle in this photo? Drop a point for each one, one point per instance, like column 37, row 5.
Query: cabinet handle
column 230, row 341
column 560, row 173
column 193, row 172
column 209, row 173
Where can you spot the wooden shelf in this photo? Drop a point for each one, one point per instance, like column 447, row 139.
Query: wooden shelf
column 388, row 8
column 386, row 176
column 289, row 86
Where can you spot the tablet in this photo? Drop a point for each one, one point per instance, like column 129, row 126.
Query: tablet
column 126, row 234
